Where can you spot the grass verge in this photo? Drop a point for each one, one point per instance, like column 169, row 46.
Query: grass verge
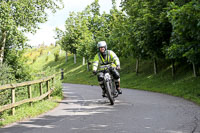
column 26, row 111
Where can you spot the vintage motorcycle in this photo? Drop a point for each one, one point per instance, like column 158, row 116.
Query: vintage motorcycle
column 109, row 83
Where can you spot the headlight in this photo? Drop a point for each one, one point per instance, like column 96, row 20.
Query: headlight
column 107, row 76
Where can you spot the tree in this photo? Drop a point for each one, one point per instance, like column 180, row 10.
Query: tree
column 86, row 39
column 71, row 35
column 186, row 28
column 81, row 31
column 150, row 31
column 22, row 16
column 60, row 37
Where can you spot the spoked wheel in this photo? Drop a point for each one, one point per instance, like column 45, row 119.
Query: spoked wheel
column 108, row 92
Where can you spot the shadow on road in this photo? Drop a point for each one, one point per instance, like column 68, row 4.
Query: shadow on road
column 71, row 110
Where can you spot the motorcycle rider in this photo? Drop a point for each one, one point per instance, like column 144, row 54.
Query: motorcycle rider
column 105, row 57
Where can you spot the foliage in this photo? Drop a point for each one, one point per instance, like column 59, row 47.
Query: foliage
column 6, row 77
column 148, row 29
column 21, row 16
column 6, row 74
column 56, row 55
column 41, row 52
column 25, row 13
column 17, row 71
column 186, row 28
column 47, row 58
column 21, row 70
column 34, row 59
column 81, row 31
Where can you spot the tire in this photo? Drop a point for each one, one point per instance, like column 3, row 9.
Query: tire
column 108, row 92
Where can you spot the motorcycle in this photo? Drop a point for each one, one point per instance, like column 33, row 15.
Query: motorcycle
column 109, row 83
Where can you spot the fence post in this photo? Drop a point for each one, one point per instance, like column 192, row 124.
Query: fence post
column 48, row 88
column 30, row 94
column 13, row 100
column 41, row 90
column 62, row 74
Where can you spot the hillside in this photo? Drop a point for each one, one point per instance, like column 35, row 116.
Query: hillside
column 182, row 85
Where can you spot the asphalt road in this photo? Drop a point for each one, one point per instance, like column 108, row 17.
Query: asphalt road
column 84, row 111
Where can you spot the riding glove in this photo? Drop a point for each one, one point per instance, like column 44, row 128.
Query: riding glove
column 95, row 72
column 118, row 67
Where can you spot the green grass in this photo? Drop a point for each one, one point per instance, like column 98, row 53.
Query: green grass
column 41, row 60
column 183, row 85
column 26, row 111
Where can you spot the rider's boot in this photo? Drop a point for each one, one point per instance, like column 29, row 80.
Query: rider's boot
column 103, row 90
column 118, row 87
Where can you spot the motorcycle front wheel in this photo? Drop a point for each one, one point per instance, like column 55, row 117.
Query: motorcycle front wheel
column 108, row 92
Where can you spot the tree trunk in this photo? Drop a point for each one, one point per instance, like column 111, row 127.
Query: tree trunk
column 173, row 68
column 66, row 57
column 2, row 47
column 194, row 69
column 74, row 58
column 155, row 66
column 83, row 60
column 137, row 66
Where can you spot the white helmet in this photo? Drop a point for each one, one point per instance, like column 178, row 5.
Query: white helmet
column 102, row 44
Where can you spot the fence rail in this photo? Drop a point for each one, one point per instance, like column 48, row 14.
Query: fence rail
column 30, row 99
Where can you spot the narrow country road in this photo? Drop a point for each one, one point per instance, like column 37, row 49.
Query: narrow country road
column 84, row 111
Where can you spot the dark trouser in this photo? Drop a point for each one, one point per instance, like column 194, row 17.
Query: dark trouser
column 115, row 75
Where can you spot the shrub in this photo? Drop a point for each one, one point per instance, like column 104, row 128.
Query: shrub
column 47, row 58
column 34, row 59
column 6, row 77
column 41, row 52
column 6, row 74
column 56, row 55
column 17, row 62
column 58, row 87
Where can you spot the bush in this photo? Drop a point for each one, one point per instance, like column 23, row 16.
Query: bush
column 6, row 77
column 56, row 55
column 5, row 97
column 34, row 60
column 17, row 62
column 6, row 74
column 41, row 52
column 47, row 58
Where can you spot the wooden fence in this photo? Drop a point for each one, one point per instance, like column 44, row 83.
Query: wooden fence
column 28, row 84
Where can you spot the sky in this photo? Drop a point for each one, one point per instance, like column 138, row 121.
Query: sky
column 46, row 32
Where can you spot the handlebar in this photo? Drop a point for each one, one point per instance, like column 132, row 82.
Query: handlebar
column 105, row 68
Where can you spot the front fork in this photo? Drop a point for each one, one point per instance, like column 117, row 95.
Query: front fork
column 114, row 90
column 112, row 87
